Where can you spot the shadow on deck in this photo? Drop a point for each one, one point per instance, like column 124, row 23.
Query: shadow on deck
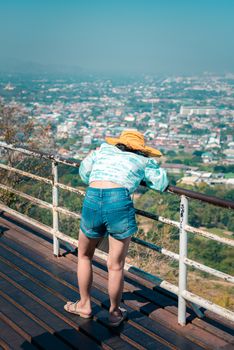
column 35, row 285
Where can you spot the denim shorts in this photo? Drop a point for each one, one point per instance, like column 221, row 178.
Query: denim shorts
column 108, row 211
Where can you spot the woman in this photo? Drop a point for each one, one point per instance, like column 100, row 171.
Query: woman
column 113, row 173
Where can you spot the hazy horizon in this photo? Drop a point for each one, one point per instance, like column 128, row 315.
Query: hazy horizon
column 135, row 37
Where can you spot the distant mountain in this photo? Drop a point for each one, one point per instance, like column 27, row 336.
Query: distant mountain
column 28, row 67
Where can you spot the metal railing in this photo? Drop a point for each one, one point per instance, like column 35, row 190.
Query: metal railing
column 181, row 290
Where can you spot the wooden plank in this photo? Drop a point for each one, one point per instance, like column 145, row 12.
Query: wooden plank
column 3, row 345
column 12, row 339
column 22, row 317
column 153, row 330
column 95, row 330
column 28, row 328
column 146, row 337
column 63, row 331
column 217, row 319
column 195, row 334
column 224, row 333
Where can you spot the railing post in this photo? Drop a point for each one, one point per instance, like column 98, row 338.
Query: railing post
column 182, row 266
column 55, row 205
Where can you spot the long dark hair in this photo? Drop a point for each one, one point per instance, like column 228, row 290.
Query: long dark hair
column 125, row 148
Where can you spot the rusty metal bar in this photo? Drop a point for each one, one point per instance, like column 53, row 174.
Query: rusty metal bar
column 71, row 189
column 25, row 173
column 209, row 270
column 155, row 247
column 187, row 261
column 227, row 314
column 157, row 218
column 209, row 235
column 41, row 155
column 189, row 228
column 68, row 212
column 39, row 225
column 37, row 201
column 202, row 197
column 40, row 203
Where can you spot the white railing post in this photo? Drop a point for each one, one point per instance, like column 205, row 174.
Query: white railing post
column 182, row 266
column 55, row 205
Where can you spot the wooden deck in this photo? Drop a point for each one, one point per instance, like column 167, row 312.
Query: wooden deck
column 35, row 285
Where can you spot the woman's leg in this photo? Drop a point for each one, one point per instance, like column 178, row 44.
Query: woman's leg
column 86, row 250
column 117, row 252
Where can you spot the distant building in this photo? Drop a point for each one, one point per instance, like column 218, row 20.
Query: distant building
column 207, row 157
column 62, row 131
column 229, row 155
column 9, row 87
column 87, row 140
column 63, row 152
column 214, row 141
column 178, row 168
column 189, row 180
column 129, row 118
column 197, row 110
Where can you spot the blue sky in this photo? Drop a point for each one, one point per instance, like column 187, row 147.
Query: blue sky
column 142, row 36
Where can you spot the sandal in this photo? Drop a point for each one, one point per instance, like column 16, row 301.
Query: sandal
column 72, row 308
column 115, row 321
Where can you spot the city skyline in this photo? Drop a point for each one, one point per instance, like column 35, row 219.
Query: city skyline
column 159, row 37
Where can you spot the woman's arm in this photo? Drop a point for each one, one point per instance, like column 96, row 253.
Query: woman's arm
column 155, row 177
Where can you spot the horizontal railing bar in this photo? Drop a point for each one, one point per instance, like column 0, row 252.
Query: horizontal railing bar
column 203, row 197
column 155, row 247
column 189, row 228
column 210, row 235
column 25, row 173
column 71, row 189
column 157, row 217
column 68, row 212
column 41, row 203
column 207, row 304
column 187, row 261
column 38, row 154
column 227, row 314
column 173, row 189
column 40, row 178
column 37, row 201
column 38, row 224
column 209, row 270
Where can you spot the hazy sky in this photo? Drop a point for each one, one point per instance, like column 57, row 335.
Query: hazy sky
column 158, row 36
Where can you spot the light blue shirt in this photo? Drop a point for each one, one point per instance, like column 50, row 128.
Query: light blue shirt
column 124, row 168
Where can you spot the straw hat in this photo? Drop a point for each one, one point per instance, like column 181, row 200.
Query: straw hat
column 135, row 140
